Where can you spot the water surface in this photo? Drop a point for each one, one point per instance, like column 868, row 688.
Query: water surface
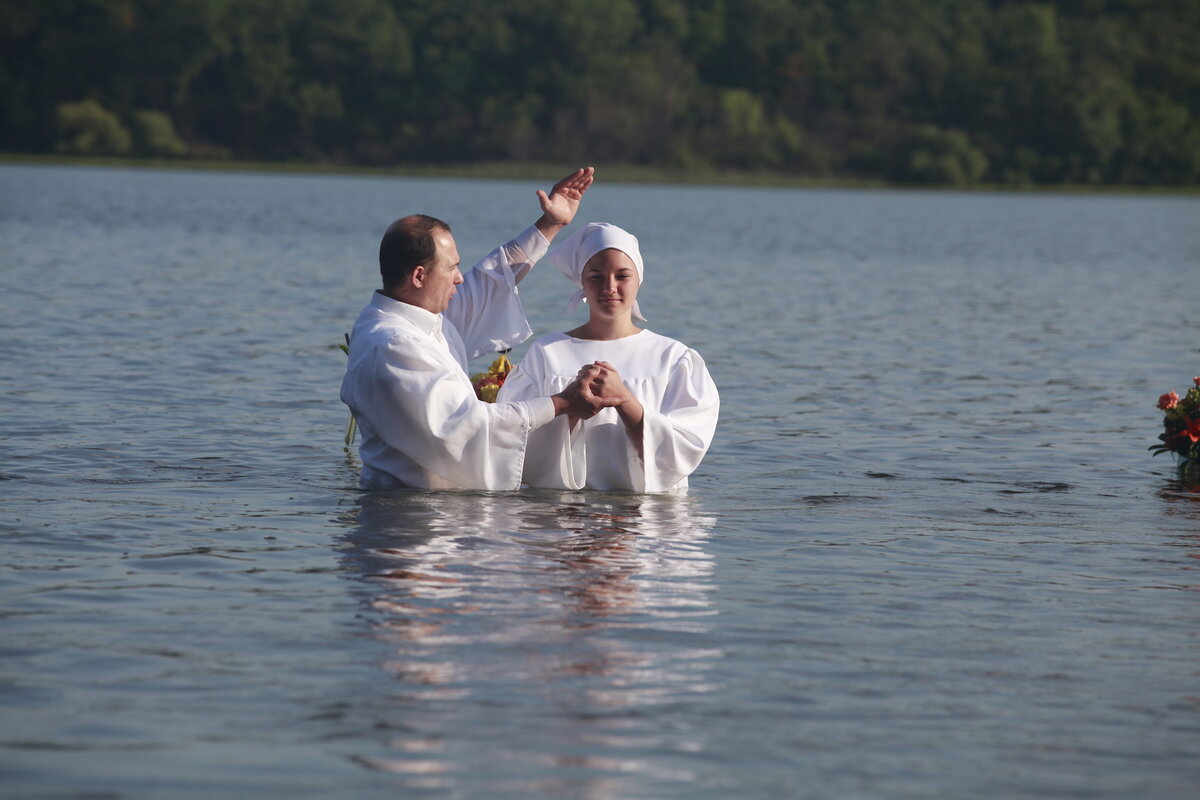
column 927, row 556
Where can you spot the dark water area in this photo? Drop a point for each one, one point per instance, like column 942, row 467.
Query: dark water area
column 927, row 556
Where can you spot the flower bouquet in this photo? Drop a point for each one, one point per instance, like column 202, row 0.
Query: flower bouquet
column 487, row 384
column 1181, row 425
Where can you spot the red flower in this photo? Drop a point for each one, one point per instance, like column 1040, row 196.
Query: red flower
column 1196, row 381
column 1168, row 400
column 1192, row 431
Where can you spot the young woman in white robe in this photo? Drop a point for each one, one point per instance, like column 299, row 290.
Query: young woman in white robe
column 662, row 404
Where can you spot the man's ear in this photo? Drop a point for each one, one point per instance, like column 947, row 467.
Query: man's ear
column 417, row 277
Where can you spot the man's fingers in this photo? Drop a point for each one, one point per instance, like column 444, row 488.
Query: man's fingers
column 588, row 402
column 569, row 181
column 577, row 181
column 584, row 179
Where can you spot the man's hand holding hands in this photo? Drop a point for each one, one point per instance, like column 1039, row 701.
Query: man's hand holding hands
column 596, row 387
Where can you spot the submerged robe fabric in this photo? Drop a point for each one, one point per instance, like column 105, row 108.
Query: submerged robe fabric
column 669, row 379
column 406, row 383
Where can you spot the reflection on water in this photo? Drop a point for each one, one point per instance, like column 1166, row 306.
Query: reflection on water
column 1181, row 496
column 518, row 620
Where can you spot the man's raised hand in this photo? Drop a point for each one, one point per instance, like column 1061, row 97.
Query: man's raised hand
column 559, row 207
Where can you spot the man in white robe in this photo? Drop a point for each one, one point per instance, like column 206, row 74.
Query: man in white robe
column 406, row 380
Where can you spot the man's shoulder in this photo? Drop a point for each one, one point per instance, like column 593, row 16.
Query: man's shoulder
column 389, row 335
column 379, row 323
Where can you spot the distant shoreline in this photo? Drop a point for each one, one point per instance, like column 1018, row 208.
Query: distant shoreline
column 521, row 171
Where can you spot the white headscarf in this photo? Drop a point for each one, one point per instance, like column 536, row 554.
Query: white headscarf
column 572, row 254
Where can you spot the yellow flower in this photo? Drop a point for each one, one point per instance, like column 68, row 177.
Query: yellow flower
column 487, row 384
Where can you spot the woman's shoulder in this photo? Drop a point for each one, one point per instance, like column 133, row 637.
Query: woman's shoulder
column 550, row 349
column 549, row 341
column 659, row 340
column 672, row 349
column 548, row 338
column 652, row 354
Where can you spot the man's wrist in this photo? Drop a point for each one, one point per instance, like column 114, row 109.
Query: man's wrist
column 561, row 405
column 548, row 227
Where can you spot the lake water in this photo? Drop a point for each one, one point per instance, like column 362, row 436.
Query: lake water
column 928, row 555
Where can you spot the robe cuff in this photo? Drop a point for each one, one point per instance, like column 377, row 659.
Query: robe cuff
column 539, row 412
column 532, row 243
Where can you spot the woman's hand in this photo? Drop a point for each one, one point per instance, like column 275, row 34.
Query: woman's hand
column 576, row 401
column 605, row 384
column 602, row 381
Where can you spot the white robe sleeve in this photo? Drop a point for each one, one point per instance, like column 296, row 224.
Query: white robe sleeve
column 434, row 418
column 487, row 309
column 676, row 436
column 555, row 457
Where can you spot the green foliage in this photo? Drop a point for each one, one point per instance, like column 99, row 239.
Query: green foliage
column 154, row 135
column 740, row 133
column 927, row 91
column 945, row 157
column 88, row 129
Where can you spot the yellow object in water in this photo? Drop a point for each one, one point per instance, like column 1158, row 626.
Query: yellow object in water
column 487, row 384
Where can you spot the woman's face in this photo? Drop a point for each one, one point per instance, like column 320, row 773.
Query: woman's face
column 610, row 283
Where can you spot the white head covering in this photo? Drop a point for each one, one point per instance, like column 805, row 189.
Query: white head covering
column 572, row 254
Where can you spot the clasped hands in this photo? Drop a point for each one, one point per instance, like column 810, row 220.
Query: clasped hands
column 597, row 386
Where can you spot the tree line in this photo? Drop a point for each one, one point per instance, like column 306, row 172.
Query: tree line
column 1103, row 92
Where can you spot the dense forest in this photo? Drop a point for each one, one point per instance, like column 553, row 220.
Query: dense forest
column 1103, row 92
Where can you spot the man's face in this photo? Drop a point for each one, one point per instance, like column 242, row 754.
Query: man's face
column 442, row 277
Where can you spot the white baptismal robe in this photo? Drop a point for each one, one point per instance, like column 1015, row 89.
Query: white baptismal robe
column 407, row 385
column 679, row 399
